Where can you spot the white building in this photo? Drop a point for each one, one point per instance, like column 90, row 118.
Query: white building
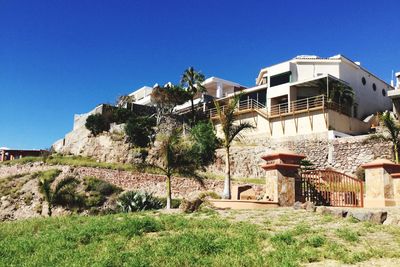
column 293, row 98
column 297, row 79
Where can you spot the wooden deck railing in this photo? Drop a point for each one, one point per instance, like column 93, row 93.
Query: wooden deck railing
column 298, row 106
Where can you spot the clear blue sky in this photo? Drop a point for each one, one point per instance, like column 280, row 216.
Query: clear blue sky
column 58, row 57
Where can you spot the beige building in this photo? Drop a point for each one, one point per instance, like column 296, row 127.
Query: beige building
column 296, row 97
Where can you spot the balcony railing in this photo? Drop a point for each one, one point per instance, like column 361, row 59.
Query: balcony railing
column 244, row 105
column 298, row 106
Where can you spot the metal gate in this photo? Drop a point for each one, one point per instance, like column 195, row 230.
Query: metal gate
column 329, row 188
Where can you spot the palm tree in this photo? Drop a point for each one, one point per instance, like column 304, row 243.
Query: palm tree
column 192, row 81
column 226, row 116
column 343, row 94
column 51, row 193
column 393, row 128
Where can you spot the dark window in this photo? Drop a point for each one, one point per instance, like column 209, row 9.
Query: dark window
column 280, row 79
column 374, row 86
column 383, row 92
column 363, row 81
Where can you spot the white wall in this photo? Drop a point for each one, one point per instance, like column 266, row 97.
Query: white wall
column 368, row 100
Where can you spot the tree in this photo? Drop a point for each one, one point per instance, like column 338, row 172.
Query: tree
column 52, row 193
column 166, row 98
column 96, row 124
column 175, row 155
column 192, row 81
column 342, row 94
column 140, row 130
column 393, row 129
column 230, row 130
column 205, row 142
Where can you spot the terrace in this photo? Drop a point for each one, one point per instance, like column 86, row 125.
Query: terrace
column 305, row 105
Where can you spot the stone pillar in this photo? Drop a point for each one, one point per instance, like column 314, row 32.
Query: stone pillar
column 382, row 183
column 282, row 170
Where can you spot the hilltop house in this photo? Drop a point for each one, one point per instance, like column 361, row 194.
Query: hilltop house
column 295, row 98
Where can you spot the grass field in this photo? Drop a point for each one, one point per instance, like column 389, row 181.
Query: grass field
column 279, row 237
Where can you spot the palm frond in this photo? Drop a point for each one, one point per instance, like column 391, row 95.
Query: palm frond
column 69, row 180
column 236, row 129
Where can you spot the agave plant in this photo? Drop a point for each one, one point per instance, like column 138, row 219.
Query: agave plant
column 132, row 201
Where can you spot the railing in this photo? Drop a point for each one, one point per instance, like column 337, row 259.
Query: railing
column 249, row 104
column 301, row 105
column 330, row 188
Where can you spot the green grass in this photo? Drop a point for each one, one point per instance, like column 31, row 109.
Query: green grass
column 129, row 240
column 79, row 161
column 11, row 185
column 199, row 239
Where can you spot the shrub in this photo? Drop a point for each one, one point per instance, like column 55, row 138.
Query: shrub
column 121, row 115
column 140, row 130
column 100, row 186
column 97, row 124
column 205, row 142
column 360, row 173
column 209, row 194
column 175, row 203
column 132, row 201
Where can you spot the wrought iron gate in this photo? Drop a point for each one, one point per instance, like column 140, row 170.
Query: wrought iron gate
column 329, row 188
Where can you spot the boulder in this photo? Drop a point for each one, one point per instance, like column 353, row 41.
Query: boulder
column 339, row 213
column 309, row 206
column 297, row 205
column 392, row 220
column 379, row 217
column 360, row 215
column 322, row 210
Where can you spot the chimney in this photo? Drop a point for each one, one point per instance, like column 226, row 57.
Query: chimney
column 397, row 80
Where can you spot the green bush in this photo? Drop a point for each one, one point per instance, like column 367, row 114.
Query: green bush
column 205, row 142
column 121, row 115
column 132, row 201
column 140, row 130
column 175, row 203
column 98, row 185
column 97, row 124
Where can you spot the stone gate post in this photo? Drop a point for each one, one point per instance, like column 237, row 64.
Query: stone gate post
column 282, row 170
column 382, row 183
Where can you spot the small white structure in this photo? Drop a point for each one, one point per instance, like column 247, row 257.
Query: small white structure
column 142, row 95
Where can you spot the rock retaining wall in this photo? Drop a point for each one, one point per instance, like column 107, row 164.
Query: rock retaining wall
column 181, row 187
column 342, row 154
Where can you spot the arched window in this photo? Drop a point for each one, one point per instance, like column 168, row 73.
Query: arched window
column 363, row 80
column 374, row 86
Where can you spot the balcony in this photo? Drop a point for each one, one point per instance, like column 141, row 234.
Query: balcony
column 319, row 102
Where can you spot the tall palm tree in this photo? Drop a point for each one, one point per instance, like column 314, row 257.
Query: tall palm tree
column 393, row 128
column 226, row 116
column 175, row 155
column 192, row 81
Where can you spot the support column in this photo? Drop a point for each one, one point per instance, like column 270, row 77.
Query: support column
column 382, row 186
column 219, row 90
column 282, row 170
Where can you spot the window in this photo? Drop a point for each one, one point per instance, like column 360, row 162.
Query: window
column 374, row 86
column 363, row 81
column 383, row 92
column 280, row 79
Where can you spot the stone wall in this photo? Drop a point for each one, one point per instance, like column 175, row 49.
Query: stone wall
column 343, row 154
column 181, row 187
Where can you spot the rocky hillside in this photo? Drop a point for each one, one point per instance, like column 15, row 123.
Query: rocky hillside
column 20, row 196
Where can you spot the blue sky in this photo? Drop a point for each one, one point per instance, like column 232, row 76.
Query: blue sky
column 58, row 57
